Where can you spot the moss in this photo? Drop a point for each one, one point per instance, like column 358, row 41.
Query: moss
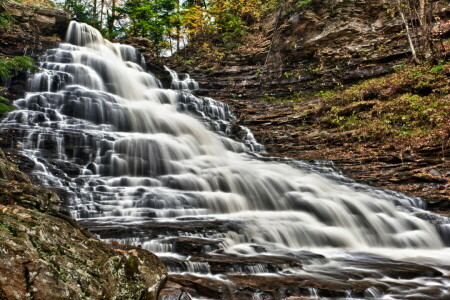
column 131, row 266
column 6, row 20
column 303, row 3
column 8, row 228
column 413, row 103
column 5, row 228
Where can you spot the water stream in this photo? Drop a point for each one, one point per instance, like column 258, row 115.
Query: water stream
column 164, row 169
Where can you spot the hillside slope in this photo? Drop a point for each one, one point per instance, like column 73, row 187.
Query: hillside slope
column 302, row 82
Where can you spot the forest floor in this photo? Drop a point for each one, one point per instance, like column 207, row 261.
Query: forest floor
column 391, row 132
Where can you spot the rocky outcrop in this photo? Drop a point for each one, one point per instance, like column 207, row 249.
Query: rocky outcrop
column 324, row 45
column 307, row 48
column 30, row 31
column 47, row 255
column 44, row 253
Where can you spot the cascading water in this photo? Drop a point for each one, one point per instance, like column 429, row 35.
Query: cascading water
column 166, row 170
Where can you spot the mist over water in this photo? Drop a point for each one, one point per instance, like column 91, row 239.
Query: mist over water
column 133, row 156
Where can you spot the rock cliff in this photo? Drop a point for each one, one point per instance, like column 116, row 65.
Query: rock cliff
column 303, row 48
column 28, row 31
column 307, row 51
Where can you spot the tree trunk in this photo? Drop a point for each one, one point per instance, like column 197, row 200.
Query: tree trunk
column 178, row 28
column 94, row 13
column 408, row 32
column 102, row 6
column 111, row 19
column 425, row 15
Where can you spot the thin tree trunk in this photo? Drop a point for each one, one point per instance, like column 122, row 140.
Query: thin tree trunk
column 178, row 26
column 426, row 28
column 422, row 13
column 94, row 13
column 112, row 19
column 408, row 33
column 102, row 6
column 273, row 34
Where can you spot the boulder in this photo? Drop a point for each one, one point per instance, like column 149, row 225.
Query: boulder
column 48, row 255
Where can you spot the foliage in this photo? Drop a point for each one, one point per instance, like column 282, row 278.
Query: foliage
column 12, row 66
column 303, row 2
column 412, row 104
column 166, row 21
column 151, row 19
column 79, row 10
column 5, row 19
column 5, row 108
column 222, row 22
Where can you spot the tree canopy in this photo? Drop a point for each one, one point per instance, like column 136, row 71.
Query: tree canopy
column 168, row 23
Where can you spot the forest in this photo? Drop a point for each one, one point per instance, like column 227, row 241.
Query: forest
column 205, row 149
column 170, row 24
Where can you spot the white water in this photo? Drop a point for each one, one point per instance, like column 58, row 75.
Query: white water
column 143, row 153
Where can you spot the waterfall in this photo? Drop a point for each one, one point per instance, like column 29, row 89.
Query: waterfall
column 134, row 156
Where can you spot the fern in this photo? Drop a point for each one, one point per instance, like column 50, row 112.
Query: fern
column 5, row 108
column 12, row 66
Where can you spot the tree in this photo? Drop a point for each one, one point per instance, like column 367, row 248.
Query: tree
column 224, row 21
column 418, row 19
column 79, row 10
column 151, row 19
column 164, row 21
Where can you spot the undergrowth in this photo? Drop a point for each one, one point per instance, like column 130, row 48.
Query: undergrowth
column 412, row 105
column 4, row 106
column 12, row 66
column 5, row 18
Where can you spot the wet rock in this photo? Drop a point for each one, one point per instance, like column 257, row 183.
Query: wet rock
column 190, row 246
column 71, row 169
column 48, row 255
column 45, row 257
column 228, row 263
column 246, row 286
column 8, row 170
column 174, row 291
column 392, row 268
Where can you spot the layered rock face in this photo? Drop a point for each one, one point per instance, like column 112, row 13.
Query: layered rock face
column 307, row 49
column 31, row 31
column 312, row 47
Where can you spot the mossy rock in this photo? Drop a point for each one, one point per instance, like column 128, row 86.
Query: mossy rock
column 45, row 257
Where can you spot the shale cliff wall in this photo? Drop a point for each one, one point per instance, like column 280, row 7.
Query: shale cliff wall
column 315, row 50
column 304, row 48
